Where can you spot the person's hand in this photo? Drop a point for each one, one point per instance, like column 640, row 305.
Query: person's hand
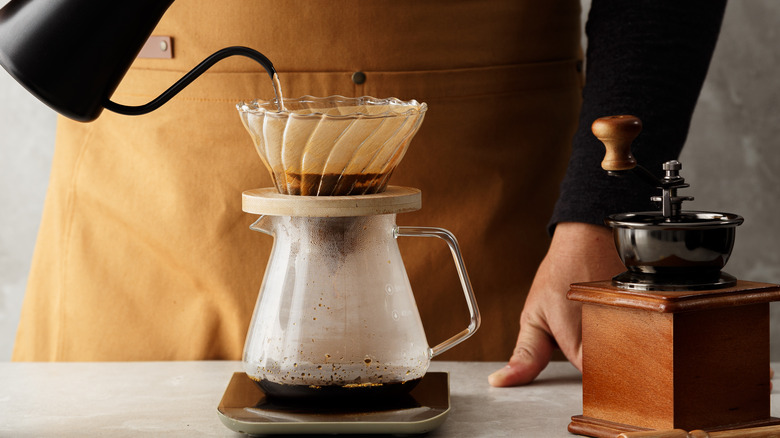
column 578, row 253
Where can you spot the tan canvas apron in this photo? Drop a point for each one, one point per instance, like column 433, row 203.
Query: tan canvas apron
column 144, row 252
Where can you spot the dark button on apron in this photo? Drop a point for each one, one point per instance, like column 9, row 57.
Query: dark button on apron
column 358, row 77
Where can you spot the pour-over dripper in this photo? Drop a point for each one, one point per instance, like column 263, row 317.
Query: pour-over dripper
column 336, row 145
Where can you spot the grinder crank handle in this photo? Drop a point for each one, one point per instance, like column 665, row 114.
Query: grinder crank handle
column 475, row 318
column 617, row 133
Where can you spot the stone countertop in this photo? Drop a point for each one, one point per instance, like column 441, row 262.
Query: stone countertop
column 180, row 399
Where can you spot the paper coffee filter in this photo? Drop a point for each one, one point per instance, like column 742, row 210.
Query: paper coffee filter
column 332, row 145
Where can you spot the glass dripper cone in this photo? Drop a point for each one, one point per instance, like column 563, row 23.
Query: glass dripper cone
column 336, row 145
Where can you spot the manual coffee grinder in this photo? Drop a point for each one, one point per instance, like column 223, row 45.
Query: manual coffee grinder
column 673, row 342
column 336, row 327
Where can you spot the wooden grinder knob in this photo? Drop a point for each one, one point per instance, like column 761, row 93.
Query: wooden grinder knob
column 617, row 133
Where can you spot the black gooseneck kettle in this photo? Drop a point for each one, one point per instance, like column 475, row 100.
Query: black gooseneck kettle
column 72, row 54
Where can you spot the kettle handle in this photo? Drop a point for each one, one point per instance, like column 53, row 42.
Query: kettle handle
column 402, row 231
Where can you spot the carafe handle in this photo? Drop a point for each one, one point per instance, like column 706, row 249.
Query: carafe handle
column 464, row 282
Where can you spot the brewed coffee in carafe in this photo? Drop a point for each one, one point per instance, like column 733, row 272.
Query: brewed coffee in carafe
column 337, row 314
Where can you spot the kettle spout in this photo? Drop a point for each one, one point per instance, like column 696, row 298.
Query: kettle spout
column 263, row 224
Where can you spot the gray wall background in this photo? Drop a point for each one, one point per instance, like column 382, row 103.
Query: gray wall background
column 732, row 158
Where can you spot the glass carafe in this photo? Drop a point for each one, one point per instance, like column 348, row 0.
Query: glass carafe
column 336, row 315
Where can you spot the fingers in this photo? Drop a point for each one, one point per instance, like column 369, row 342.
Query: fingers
column 578, row 253
column 531, row 355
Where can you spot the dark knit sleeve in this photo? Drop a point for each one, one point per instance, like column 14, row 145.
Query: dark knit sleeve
column 647, row 58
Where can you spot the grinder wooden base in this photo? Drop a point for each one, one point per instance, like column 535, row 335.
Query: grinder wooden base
column 658, row 360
